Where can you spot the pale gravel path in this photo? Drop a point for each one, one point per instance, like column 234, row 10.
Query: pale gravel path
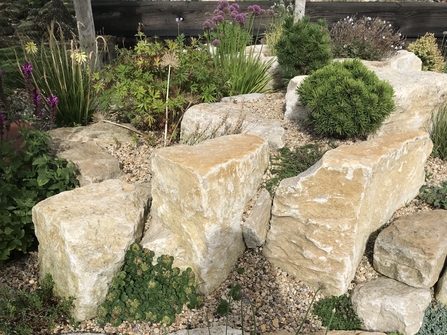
column 280, row 300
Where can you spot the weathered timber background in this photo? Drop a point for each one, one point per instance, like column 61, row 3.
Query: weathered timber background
column 121, row 18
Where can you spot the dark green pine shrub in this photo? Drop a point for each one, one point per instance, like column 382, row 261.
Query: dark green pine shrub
column 146, row 292
column 344, row 317
column 346, row 99
column 435, row 320
column 303, row 47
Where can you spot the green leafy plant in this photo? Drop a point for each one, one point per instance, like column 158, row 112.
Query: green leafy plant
column 344, row 317
column 435, row 196
column 26, row 178
column 346, row 99
column 143, row 291
column 60, row 69
column 426, row 48
column 303, row 46
column 438, row 132
column 444, row 49
column 290, row 163
column 435, row 319
column 27, row 313
column 365, row 38
column 228, row 33
column 135, row 85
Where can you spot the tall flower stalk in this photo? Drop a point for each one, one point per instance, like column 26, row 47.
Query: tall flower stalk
column 228, row 34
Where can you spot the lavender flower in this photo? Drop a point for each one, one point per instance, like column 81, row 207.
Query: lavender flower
column 216, row 42
column 27, row 69
column 2, row 123
column 37, row 101
column 52, row 101
column 240, row 18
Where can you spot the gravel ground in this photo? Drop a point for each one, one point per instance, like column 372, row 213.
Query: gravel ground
column 280, row 300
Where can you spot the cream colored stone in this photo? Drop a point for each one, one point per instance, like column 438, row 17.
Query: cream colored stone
column 255, row 228
column 322, row 218
column 199, row 194
column 413, row 248
column 441, row 289
column 83, row 235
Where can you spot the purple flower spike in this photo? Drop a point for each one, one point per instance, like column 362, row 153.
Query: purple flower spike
column 240, row 18
column 52, row 101
column 216, row 42
column 27, row 69
column 2, row 120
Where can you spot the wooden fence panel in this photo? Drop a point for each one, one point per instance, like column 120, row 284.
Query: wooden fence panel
column 121, row 18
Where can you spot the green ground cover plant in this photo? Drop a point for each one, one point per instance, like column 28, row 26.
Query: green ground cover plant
column 144, row 291
column 291, row 162
column 303, row 47
column 344, row 317
column 365, row 38
column 435, row 319
column 346, row 100
column 28, row 313
column 26, row 178
column 435, row 196
column 228, row 33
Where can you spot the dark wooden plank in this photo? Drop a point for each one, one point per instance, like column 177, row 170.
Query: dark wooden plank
column 121, row 18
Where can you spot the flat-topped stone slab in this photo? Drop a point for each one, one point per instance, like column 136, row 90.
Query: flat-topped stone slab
column 413, row 248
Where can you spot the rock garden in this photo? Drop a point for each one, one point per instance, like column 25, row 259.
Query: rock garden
column 185, row 186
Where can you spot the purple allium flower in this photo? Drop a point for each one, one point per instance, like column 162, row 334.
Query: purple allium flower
column 218, row 18
column 208, row 25
column 222, row 4
column 240, row 18
column 234, row 13
column 234, row 7
column 27, row 69
column 216, row 42
column 256, row 10
column 178, row 19
column 270, row 12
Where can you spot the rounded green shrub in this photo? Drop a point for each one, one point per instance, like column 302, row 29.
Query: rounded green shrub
column 303, row 46
column 346, row 99
column 426, row 48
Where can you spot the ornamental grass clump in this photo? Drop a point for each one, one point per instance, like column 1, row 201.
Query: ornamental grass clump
column 228, row 33
column 365, row 38
column 143, row 291
column 303, row 47
column 438, row 132
column 346, row 100
column 280, row 11
column 426, row 48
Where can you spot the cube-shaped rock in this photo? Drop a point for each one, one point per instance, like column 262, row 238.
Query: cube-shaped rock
column 198, row 197
column 413, row 248
column 83, row 235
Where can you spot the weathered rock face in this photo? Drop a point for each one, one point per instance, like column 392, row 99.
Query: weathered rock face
column 83, row 235
column 255, row 228
column 81, row 145
column 387, row 305
column 199, row 193
column 322, row 218
column 404, row 61
column 205, row 121
column 441, row 289
column 413, row 248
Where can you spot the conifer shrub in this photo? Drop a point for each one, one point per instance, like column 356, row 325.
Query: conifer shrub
column 426, row 48
column 303, row 46
column 435, row 319
column 143, row 291
column 346, row 100
column 365, row 38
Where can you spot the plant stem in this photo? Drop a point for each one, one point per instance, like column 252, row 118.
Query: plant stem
column 308, row 310
column 167, row 98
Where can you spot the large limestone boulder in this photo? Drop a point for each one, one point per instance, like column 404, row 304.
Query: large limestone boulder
column 322, row 218
column 404, row 61
column 83, row 235
column 413, row 248
column 441, row 289
column 198, row 197
column 206, row 121
column 387, row 305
